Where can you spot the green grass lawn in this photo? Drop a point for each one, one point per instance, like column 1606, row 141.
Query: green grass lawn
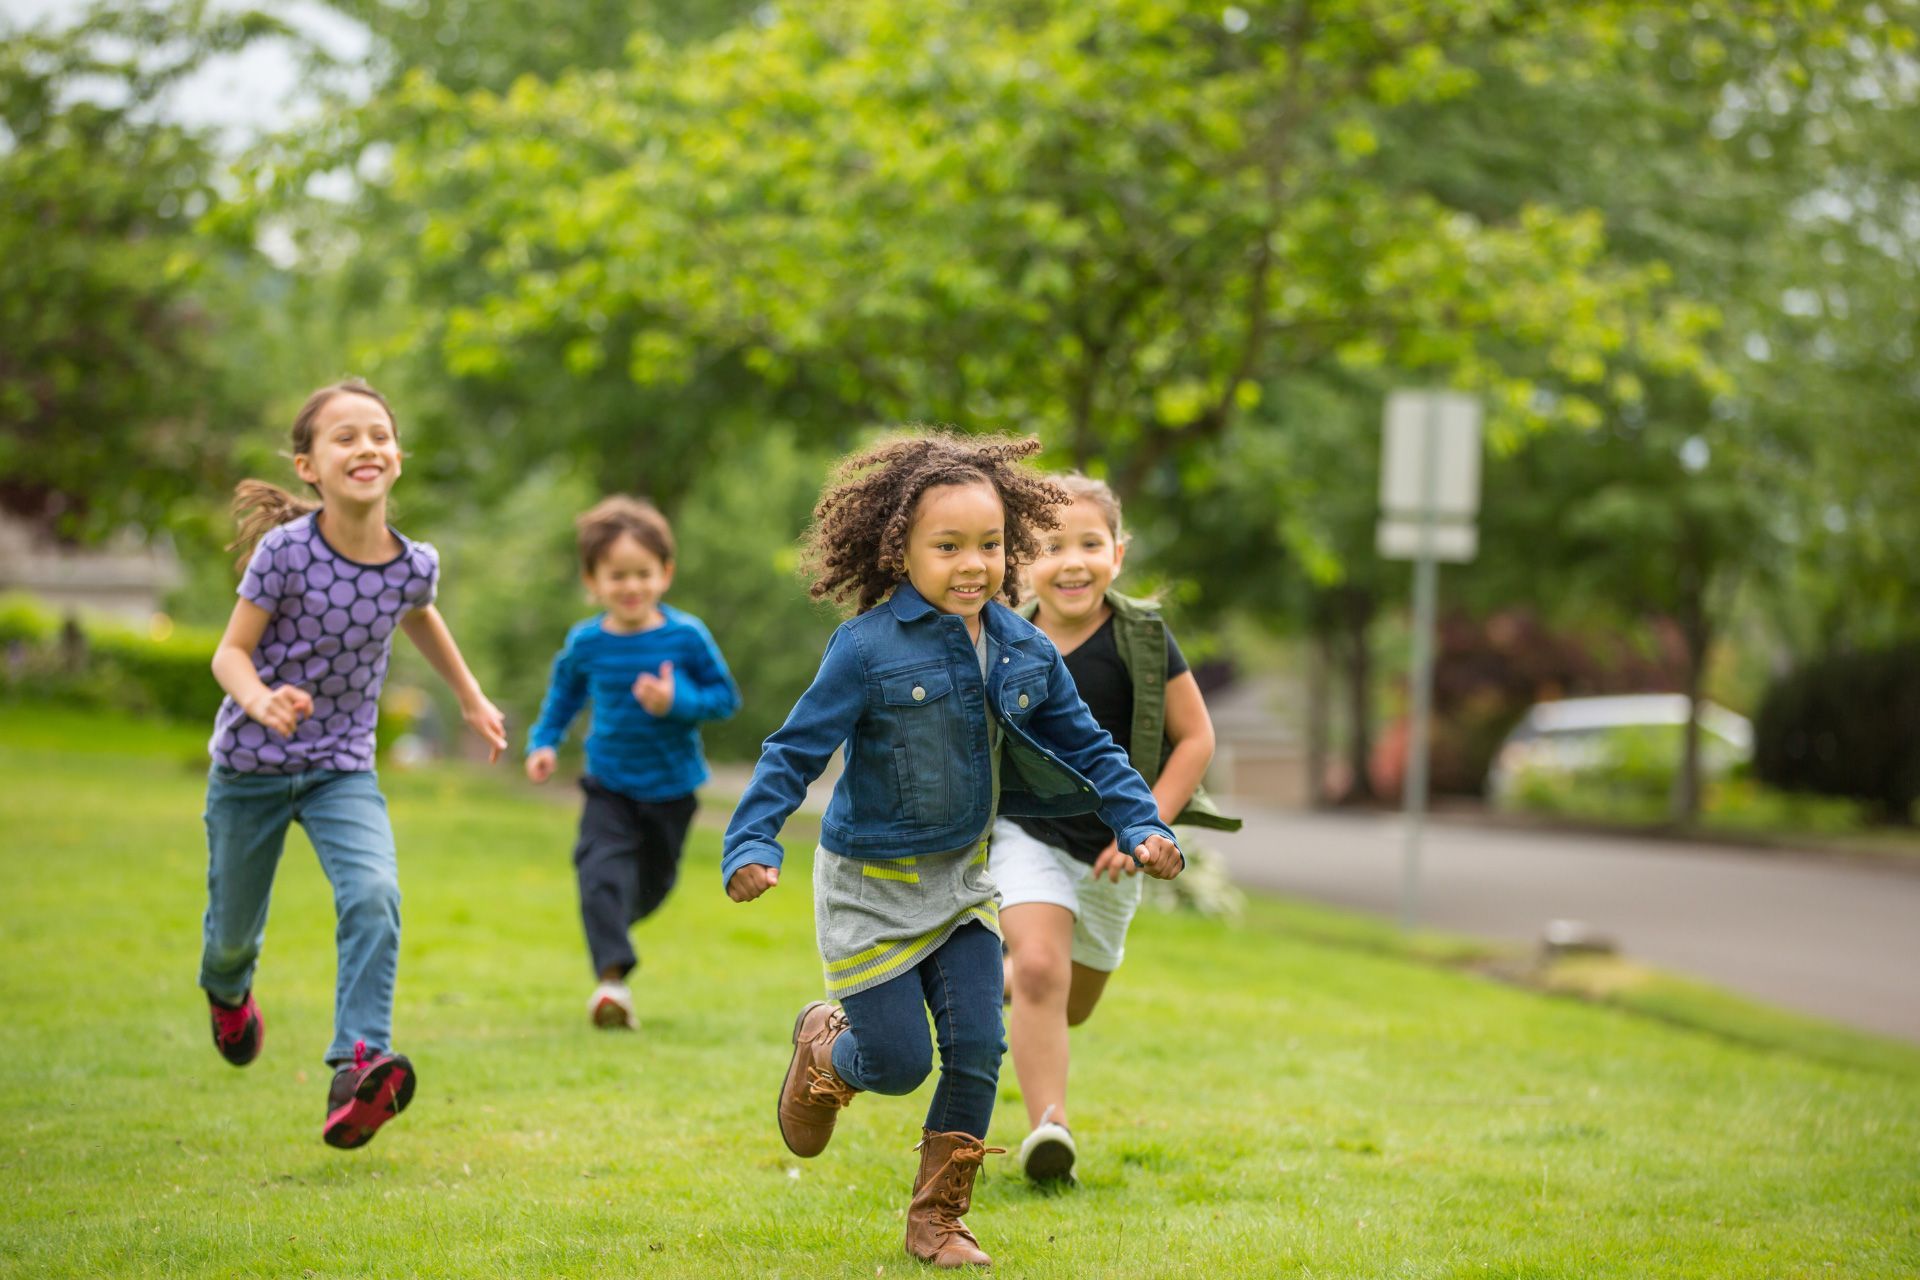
column 1262, row 1099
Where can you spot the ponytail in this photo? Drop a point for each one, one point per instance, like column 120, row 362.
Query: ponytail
column 258, row 507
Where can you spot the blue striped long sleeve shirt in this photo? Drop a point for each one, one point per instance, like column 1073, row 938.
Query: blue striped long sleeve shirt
column 629, row 749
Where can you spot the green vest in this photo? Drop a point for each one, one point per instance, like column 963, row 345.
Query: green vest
column 1141, row 637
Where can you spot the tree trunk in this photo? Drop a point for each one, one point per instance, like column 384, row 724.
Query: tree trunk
column 1357, row 615
column 73, row 645
column 1320, row 666
column 1698, row 636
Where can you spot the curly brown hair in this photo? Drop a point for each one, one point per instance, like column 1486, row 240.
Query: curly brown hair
column 857, row 545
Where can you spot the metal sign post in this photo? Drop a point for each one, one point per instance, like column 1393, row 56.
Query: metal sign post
column 1429, row 494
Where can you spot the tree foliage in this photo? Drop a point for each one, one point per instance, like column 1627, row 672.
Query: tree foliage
column 489, row 44
column 1115, row 225
column 117, row 309
column 1122, row 227
column 1191, row 246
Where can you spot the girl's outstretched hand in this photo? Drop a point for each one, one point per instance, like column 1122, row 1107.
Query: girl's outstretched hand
column 752, row 880
column 485, row 719
column 1114, row 864
column 1160, row 858
column 281, row 710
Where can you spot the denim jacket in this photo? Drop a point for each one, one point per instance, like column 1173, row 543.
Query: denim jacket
column 900, row 686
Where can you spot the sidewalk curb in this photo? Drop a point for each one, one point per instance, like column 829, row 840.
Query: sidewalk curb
column 1754, row 846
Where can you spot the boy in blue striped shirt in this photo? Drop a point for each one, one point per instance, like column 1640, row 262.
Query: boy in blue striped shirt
column 652, row 673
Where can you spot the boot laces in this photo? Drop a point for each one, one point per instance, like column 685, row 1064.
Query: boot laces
column 826, row 1087
column 956, row 1177
column 959, row 1167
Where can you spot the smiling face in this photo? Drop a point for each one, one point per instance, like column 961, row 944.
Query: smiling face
column 628, row 580
column 956, row 548
column 355, row 454
column 1077, row 563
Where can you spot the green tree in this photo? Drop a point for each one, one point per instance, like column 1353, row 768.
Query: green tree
column 1778, row 212
column 489, row 44
column 1633, row 521
column 124, row 324
column 1116, row 226
column 1141, row 230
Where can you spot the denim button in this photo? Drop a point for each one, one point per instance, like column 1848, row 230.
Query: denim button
column 1023, row 699
column 919, row 694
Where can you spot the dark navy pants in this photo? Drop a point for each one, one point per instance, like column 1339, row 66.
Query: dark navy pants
column 627, row 859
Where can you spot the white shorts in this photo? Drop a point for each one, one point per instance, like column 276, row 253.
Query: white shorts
column 1028, row 870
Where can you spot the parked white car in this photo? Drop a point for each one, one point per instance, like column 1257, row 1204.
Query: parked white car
column 1573, row 734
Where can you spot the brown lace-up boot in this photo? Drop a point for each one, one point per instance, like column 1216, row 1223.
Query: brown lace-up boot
column 813, row 1093
column 942, row 1191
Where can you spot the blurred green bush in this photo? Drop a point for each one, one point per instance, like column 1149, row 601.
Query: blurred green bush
column 25, row 621
column 164, row 672
column 1633, row 781
column 102, row 663
column 1630, row 781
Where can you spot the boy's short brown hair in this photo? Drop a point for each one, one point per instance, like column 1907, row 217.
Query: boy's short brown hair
column 602, row 524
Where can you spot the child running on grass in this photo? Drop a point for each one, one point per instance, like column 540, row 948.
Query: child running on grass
column 949, row 705
column 1067, row 892
column 652, row 674
column 302, row 661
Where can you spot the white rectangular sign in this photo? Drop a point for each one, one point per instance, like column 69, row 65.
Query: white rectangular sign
column 1454, row 542
column 1447, row 422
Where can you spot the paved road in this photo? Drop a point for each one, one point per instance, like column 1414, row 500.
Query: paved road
column 1838, row 940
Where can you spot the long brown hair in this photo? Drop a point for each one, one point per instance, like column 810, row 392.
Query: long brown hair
column 857, row 545
column 258, row 505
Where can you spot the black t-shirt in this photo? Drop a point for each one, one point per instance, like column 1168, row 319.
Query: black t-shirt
column 1108, row 692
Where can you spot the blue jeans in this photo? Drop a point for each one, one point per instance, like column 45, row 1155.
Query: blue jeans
column 885, row 1047
column 345, row 817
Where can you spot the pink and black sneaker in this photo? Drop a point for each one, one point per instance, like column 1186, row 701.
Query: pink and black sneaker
column 238, row 1030
column 365, row 1096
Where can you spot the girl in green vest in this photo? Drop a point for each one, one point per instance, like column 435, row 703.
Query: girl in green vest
column 1067, row 893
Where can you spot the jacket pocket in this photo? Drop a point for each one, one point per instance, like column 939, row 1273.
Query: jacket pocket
column 929, row 744
column 1022, row 696
column 921, row 687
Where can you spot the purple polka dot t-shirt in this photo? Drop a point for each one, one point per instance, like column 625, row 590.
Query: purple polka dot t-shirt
column 331, row 634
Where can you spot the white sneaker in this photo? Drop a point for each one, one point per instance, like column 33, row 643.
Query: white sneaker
column 611, row 1006
column 1048, row 1153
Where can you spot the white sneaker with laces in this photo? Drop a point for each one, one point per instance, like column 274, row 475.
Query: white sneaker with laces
column 611, row 1006
column 1048, row 1153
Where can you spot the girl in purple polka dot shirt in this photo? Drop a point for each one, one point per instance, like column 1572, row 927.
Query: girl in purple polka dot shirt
column 302, row 660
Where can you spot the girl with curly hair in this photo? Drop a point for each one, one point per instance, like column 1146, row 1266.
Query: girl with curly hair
column 951, row 707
